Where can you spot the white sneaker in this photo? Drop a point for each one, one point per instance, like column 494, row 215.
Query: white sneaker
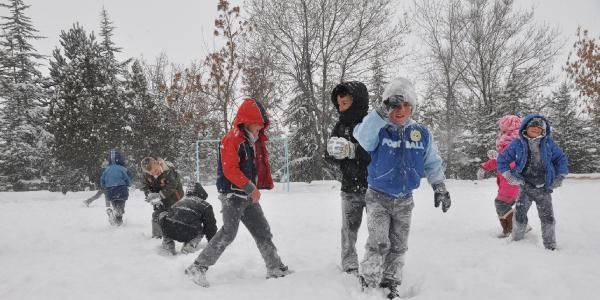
column 111, row 216
column 278, row 272
column 188, row 248
column 198, row 275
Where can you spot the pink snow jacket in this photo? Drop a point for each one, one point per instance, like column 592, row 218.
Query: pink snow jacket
column 509, row 130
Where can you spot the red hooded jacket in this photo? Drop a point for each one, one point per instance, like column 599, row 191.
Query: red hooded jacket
column 241, row 164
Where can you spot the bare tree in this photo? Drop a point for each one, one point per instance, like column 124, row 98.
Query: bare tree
column 320, row 43
column 479, row 52
column 501, row 41
column 261, row 81
column 226, row 64
column 442, row 29
column 584, row 68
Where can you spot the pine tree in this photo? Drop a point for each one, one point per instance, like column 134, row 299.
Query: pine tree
column 378, row 81
column 153, row 124
column 23, row 150
column 513, row 100
column 112, row 113
column 77, row 80
column 90, row 109
column 573, row 133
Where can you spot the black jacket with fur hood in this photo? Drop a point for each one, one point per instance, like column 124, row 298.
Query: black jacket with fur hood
column 354, row 171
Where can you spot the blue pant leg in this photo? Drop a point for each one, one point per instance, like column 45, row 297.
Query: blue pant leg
column 520, row 219
column 546, row 214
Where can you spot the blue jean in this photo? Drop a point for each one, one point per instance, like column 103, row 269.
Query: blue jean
column 388, row 221
column 543, row 202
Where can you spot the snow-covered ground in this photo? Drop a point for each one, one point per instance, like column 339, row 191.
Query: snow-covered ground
column 52, row 247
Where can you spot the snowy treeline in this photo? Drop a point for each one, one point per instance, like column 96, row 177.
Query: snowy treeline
column 479, row 60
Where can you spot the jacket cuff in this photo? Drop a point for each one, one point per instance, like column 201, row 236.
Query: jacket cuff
column 439, row 187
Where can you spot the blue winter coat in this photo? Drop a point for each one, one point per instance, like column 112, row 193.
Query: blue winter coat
column 400, row 155
column 553, row 158
column 115, row 178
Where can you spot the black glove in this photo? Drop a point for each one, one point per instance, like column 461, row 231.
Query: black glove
column 442, row 196
column 388, row 105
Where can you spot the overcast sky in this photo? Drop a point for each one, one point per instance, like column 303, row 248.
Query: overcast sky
column 183, row 28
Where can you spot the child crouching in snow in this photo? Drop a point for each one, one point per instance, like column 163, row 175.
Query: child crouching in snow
column 188, row 221
column 243, row 169
column 540, row 168
column 115, row 181
column 507, row 193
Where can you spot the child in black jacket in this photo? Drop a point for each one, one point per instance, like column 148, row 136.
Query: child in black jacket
column 351, row 100
column 188, row 221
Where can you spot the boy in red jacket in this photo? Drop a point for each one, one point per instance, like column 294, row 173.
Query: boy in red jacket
column 243, row 170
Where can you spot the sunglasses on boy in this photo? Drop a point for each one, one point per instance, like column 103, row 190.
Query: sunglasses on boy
column 536, row 122
column 394, row 101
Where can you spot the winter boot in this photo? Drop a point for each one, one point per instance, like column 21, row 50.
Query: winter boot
column 363, row 283
column 352, row 271
column 509, row 220
column 111, row 216
column 278, row 272
column 191, row 246
column 506, row 222
column 505, row 233
column 156, row 231
column 167, row 248
column 390, row 287
column 197, row 274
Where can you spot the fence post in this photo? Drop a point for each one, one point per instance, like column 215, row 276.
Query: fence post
column 197, row 161
column 287, row 163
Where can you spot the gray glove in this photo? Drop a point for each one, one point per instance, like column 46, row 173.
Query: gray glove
column 558, row 181
column 154, row 199
column 480, row 173
column 512, row 179
column 442, row 196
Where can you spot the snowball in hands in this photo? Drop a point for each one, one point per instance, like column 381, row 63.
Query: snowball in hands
column 340, row 148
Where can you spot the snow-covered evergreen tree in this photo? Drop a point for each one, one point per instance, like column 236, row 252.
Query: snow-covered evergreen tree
column 23, row 138
column 574, row 134
column 75, row 75
column 513, row 100
column 112, row 113
column 152, row 123
column 89, row 109
column 378, row 80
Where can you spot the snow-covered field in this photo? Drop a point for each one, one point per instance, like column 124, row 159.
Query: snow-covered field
column 52, row 247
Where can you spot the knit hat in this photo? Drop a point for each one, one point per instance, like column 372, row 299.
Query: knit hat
column 196, row 189
column 401, row 87
column 509, row 123
column 509, row 130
